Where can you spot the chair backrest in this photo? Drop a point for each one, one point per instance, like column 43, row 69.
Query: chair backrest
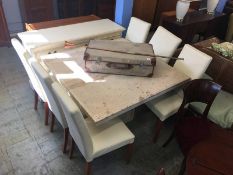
column 164, row 43
column 138, row 30
column 200, row 90
column 195, row 62
column 24, row 57
column 76, row 122
column 46, row 83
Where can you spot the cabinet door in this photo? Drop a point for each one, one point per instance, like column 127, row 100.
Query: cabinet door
column 105, row 8
column 36, row 10
column 145, row 9
column 4, row 33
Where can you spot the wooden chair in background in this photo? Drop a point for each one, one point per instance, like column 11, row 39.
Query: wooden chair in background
column 190, row 128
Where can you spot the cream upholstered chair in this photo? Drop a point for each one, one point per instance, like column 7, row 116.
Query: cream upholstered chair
column 164, row 43
column 92, row 140
column 138, row 30
column 35, row 84
column 194, row 65
column 53, row 103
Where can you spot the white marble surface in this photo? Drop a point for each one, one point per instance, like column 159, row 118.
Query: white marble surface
column 37, row 40
column 104, row 96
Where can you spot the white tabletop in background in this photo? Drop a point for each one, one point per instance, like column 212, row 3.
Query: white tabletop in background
column 50, row 37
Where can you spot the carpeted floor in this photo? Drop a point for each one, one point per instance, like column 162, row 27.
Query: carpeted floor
column 27, row 146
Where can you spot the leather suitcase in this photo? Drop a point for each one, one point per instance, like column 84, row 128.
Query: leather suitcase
column 120, row 57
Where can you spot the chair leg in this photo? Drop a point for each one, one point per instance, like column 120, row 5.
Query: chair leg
column 183, row 167
column 35, row 100
column 71, row 147
column 52, row 122
column 46, row 108
column 66, row 134
column 158, row 126
column 170, row 138
column 129, row 153
column 88, row 168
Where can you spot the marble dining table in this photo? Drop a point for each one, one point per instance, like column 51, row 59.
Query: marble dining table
column 103, row 97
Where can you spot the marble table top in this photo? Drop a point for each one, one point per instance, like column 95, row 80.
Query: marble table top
column 105, row 96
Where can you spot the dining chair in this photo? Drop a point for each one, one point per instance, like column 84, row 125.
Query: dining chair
column 138, row 30
column 92, row 140
column 190, row 128
column 35, row 84
column 164, row 43
column 194, row 65
column 53, row 103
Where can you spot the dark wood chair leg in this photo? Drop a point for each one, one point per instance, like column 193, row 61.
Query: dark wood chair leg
column 35, row 100
column 183, row 167
column 46, row 108
column 129, row 153
column 170, row 138
column 66, row 135
column 88, row 168
column 71, row 147
column 158, row 126
column 52, row 122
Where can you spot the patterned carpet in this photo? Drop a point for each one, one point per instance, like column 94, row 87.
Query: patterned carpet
column 27, row 146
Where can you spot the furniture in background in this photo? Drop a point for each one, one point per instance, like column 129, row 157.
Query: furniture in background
column 194, row 65
column 161, row 172
column 229, row 34
column 4, row 34
column 229, row 7
column 74, row 8
column 191, row 129
column 210, row 158
column 220, row 70
column 164, row 43
column 48, row 38
column 53, row 104
column 137, row 31
column 93, row 141
column 60, row 22
column 151, row 10
column 197, row 22
column 36, row 10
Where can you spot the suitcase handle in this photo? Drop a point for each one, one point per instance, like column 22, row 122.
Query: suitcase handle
column 119, row 66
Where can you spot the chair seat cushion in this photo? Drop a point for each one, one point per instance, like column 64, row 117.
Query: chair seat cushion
column 165, row 106
column 109, row 136
column 221, row 111
column 190, row 130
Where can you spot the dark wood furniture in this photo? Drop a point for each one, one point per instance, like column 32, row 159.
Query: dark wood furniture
column 220, row 68
column 191, row 129
column 151, row 10
column 197, row 22
column 213, row 156
column 161, row 172
column 210, row 158
column 145, row 9
column 74, row 8
column 4, row 33
column 36, row 10
column 60, row 22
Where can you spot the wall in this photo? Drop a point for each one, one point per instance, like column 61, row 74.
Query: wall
column 123, row 12
column 13, row 16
